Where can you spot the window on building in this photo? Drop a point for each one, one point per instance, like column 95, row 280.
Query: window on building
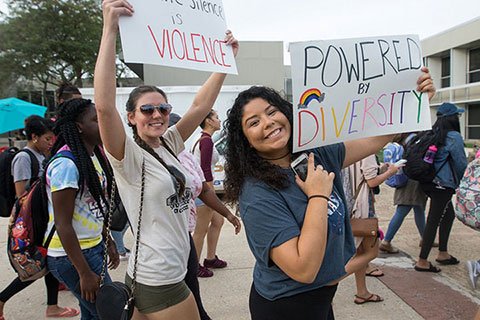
column 473, row 121
column 445, row 72
column 474, row 66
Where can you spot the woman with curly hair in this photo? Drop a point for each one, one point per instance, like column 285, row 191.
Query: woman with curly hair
column 297, row 230
column 77, row 189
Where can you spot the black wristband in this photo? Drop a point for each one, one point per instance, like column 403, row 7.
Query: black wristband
column 319, row 196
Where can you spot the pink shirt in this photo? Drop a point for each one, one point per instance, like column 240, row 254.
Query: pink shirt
column 193, row 168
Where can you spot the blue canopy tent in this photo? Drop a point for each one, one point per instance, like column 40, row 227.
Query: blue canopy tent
column 14, row 111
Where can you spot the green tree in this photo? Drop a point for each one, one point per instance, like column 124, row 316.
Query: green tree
column 50, row 40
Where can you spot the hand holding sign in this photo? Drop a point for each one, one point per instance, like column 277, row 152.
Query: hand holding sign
column 348, row 89
column 112, row 10
column 425, row 83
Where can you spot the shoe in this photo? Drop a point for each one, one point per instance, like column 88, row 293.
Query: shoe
column 68, row 313
column 388, row 248
column 127, row 250
column 431, row 268
column 124, row 256
column 450, row 261
column 372, row 298
column 472, row 273
column 204, row 272
column 214, row 263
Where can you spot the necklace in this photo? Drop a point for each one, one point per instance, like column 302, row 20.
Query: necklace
column 288, row 153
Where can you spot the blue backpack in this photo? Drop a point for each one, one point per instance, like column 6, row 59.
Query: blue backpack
column 392, row 153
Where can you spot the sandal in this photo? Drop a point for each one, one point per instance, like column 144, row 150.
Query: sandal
column 372, row 298
column 68, row 313
column 432, row 268
column 451, row 261
column 377, row 273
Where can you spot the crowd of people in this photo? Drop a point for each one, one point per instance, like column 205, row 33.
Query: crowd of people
column 297, row 229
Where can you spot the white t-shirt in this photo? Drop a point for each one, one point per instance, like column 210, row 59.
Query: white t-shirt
column 164, row 243
column 62, row 173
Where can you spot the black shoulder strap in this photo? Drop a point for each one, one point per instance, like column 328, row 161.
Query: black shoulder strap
column 34, row 164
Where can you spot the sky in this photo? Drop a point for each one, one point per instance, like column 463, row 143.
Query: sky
column 300, row 20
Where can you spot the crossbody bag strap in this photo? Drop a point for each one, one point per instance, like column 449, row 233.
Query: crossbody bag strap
column 109, row 222
column 359, row 187
column 137, row 240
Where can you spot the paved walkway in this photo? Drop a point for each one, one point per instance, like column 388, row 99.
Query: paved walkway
column 408, row 294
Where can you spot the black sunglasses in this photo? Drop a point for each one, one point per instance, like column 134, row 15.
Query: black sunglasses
column 148, row 109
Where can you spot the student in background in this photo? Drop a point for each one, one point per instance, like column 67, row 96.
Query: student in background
column 39, row 136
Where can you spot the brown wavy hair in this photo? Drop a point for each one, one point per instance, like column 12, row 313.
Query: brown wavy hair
column 242, row 160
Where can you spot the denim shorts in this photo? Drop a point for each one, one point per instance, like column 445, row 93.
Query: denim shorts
column 149, row 299
column 63, row 269
column 199, row 203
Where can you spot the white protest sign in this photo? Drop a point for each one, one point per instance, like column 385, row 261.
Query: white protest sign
column 178, row 33
column 354, row 88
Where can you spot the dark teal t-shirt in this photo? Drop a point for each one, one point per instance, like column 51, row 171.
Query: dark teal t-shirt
column 272, row 217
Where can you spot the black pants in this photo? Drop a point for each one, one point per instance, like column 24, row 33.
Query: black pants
column 440, row 215
column 311, row 305
column 17, row 285
column 192, row 281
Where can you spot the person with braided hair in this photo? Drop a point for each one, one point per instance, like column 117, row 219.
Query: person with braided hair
column 164, row 246
column 77, row 193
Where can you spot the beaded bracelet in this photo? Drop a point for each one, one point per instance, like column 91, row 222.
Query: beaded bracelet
column 319, row 196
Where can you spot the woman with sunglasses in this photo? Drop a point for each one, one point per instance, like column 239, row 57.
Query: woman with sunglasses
column 164, row 243
column 297, row 230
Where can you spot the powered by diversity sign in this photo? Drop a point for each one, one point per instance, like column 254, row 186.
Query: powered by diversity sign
column 178, row 33
column 354, row 88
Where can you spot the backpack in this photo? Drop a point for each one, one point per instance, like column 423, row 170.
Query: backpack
column 392, row 153
column 7, row 187
column 467, row 206
column 26, row 229
column 414, row 152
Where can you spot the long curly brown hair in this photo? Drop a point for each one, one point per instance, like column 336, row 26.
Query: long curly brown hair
column 242, row 160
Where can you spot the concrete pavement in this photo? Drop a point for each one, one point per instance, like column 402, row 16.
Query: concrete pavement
column 408, row 294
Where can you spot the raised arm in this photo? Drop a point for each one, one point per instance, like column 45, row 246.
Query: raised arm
column 205, row 98
column 109, row 120
column 356, row 150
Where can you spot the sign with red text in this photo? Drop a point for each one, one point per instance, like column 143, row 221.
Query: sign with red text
column 354, row 88
column 178, row 33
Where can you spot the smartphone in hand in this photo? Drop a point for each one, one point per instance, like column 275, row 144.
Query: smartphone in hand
column 300, row 166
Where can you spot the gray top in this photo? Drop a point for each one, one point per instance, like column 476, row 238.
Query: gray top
column 21, row 165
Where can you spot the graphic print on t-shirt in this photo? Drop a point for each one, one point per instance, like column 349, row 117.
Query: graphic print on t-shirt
column 335, row 215
column 180, row 205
